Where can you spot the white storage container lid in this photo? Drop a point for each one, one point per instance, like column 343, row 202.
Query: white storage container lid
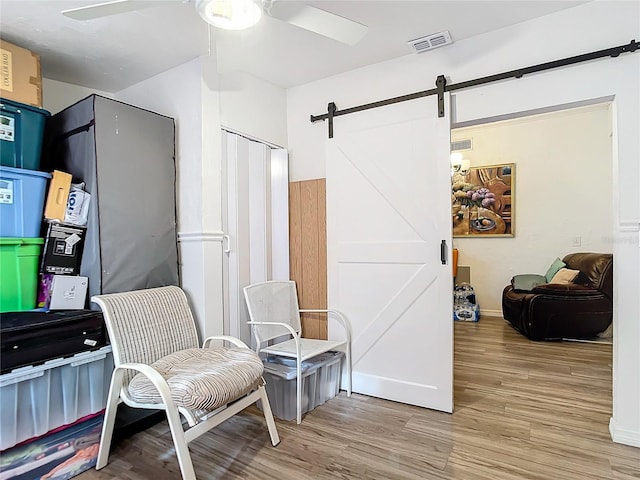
column 285, row 367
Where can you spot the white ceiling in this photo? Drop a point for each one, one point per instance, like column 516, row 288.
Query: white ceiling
column 112, row 53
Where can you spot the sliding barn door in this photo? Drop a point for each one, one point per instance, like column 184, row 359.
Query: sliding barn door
column 389, row 232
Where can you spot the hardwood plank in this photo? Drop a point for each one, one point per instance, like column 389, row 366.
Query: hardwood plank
column 627, row 468
column 530, row 419
column 322, row 255
column 310, row 241
column 308, row 252
column 297, row 224
column 295, row 239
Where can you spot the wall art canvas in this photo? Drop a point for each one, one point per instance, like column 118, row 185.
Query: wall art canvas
column 482, row 201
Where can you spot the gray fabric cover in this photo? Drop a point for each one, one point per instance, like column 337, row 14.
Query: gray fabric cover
column 202, row 378
column 125, row 155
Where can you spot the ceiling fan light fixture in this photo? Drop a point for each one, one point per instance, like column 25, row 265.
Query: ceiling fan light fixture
column 229, row 14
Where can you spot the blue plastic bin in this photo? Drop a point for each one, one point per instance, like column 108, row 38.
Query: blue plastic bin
column 21, row 201
column 21, row 134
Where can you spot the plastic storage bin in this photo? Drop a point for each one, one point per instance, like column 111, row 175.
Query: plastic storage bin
column 21, row 134
column 320, row 382
column 19, row 273
column 60, row 455
column 37, row 399
column 21, row 201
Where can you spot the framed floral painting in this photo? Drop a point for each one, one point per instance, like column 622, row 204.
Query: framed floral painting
column 482, row 201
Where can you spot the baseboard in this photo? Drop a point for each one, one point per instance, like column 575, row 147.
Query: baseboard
column 491, row 313
column 626, row 437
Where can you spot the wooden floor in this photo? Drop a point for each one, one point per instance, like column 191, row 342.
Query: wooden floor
column 523, row 410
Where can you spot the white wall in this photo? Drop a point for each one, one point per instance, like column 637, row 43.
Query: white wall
column 254, row 107
column 180, row 93
column 200, row 102
column 554, row 36
column 57, row 96
column 196, row 97
column 555, row 197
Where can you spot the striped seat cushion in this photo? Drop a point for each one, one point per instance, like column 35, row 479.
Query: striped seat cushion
column 201, row 378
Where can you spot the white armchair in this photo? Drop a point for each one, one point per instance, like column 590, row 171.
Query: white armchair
column 158, row 365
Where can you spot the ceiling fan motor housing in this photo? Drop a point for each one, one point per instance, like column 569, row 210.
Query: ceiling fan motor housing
column 230, row 14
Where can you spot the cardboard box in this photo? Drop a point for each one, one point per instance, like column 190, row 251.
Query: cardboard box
column 62, row 292
column 20, row 75
column 62, row 252
column 59, row 188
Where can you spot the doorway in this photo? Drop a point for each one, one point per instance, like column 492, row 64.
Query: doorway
column 555, row 158
column 563, row 194
column 564, row 164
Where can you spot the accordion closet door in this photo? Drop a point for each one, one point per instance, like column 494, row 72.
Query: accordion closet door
column 255, row 223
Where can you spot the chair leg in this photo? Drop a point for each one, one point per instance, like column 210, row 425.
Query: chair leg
column 109, row 418
column 349, row 373
column 180, row 442
column 268, row 416
column 298, row 391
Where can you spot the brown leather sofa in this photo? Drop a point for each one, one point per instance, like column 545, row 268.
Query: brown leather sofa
column 582, row 309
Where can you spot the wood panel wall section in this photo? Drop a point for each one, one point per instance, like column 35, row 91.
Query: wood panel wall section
column 308, row 251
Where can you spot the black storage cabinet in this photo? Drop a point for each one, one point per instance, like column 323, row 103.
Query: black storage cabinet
column 125, row 155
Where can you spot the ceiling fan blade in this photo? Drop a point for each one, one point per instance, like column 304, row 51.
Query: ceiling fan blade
column 105, row 9
column 318, row 21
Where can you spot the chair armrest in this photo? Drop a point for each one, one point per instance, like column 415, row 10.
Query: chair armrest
column 286, row 325
column 236, row 341
column 568, row 290
column 341, row 317
column 147, row 370
column 296, row 336
column 154, row 377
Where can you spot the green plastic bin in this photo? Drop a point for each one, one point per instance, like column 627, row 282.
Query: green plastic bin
column 21, row 134
column 19, row 273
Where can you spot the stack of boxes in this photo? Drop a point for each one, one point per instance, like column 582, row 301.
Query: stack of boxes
column 51, row 410
column 22, row 185
column 34, row 259
column 64, row 231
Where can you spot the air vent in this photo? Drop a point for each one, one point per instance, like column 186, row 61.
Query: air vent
column 430, row 42
column 461, row 145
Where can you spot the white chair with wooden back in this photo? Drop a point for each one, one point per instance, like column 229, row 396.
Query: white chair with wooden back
column 159, row 365
column 274, row 313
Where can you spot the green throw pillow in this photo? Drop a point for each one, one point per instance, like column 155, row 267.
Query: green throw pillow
column 554, row 268
column 527, row 282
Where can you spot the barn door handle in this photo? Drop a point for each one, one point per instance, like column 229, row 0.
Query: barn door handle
column 443, row 252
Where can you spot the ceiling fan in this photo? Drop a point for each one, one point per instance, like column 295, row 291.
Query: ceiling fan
column 239, row 14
